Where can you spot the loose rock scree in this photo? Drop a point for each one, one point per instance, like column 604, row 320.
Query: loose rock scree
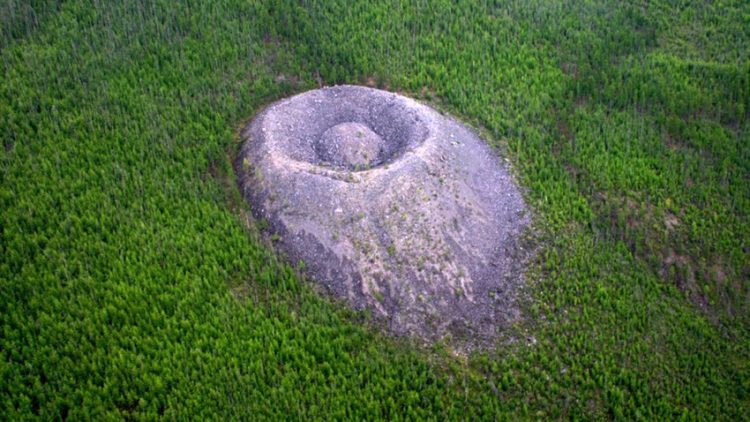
column 392, row 206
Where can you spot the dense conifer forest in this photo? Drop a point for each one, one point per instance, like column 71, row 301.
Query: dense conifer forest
column 133, row 285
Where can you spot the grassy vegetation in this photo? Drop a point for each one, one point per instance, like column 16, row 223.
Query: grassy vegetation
column 131, row 288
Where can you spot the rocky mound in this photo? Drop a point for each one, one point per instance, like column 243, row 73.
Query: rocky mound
column 391, row 205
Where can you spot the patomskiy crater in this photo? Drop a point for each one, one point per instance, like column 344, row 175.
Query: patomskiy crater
column 392, row 206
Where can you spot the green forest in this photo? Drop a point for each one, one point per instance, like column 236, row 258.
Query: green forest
column 133, row 284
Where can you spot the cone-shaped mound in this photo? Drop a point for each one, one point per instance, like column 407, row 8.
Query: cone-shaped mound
column 350, row 145
column 391, row 205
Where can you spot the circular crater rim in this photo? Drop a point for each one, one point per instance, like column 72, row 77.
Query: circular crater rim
column 295, row 126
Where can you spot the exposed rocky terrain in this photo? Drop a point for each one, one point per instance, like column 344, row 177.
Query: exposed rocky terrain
column 391, row 205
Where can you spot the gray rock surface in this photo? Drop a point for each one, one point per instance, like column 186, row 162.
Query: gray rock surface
column 392, row 206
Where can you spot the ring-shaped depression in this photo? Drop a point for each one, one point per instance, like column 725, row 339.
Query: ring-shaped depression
column 346, row 132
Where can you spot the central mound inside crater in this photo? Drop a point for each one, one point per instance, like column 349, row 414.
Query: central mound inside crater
column 351, row 145
column 392, row 207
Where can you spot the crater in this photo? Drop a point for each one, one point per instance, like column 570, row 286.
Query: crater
column 392, row 207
